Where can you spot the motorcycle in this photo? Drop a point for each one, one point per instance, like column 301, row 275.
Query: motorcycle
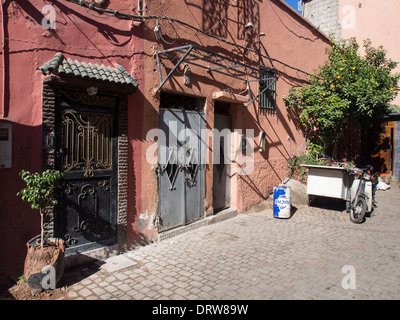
column 361, row 196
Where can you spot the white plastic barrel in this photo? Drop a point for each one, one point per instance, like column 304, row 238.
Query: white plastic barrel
column 281, row 202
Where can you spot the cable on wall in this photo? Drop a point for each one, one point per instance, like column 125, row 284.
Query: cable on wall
column 121, row 15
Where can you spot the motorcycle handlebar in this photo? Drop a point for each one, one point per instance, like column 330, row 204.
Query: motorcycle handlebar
column 367, row 168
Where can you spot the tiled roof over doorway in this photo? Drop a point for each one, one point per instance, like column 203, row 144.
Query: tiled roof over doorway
column 60, row 65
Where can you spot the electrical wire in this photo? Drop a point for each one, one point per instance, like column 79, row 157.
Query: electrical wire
column 121, row 15
column 160, row 34
column 72, row 47
column 132, row 7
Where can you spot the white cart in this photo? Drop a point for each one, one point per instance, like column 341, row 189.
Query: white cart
column 327, row 181
column 334, row 182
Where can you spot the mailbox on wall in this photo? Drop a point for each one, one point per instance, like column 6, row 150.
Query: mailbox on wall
column 5, row 145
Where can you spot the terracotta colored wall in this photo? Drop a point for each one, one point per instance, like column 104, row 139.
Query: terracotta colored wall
column 84, row 35
column 288, row 38
column 79, row 35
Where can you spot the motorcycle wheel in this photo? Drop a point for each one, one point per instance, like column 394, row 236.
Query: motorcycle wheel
column 357, row 213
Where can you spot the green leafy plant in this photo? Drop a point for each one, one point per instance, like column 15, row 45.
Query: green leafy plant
column 311, row 156
column 349, row 88
column 39, row 191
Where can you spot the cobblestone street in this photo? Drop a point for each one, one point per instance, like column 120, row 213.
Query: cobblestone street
column 256, row 256
column 143, row 144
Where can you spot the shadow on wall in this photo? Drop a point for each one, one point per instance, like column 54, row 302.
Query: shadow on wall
column 215, row 17
column 115, row 36
column 141, row 120
column 267, row 171
column 18, row 222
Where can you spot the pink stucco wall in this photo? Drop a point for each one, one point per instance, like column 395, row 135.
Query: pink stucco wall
column 288, row 38
column 78, row 35
column 87, row 36
column 376, row 20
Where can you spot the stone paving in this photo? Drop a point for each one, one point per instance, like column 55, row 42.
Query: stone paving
column 315, row 254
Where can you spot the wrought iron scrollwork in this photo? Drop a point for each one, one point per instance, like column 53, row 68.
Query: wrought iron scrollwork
column 171, row 168
column 191, row 174
column 69, row 240
column 69, row 188
column 104, row 185
column 86, row 190
column 87, row 142
column 90, row 100
column 90, row 224
column 191, row 168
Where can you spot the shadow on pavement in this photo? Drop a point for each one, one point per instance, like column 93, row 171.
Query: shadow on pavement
column 328, row 203
column 76, row 274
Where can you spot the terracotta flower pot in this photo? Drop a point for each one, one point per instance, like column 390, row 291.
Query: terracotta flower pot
column 51, row 256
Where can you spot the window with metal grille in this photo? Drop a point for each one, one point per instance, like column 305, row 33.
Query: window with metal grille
column 182, row 102
column 267, row 89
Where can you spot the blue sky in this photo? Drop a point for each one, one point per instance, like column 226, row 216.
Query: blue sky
column 292, row 3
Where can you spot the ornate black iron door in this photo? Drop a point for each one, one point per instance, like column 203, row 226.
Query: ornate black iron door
column 86, row 151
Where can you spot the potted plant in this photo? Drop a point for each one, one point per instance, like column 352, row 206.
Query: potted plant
column 44, row 263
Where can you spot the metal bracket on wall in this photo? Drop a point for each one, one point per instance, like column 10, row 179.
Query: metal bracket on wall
column 207, row 59
column 214, row 62
column 159, row 53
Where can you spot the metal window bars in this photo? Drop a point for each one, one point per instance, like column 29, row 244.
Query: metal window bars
column 267, row 89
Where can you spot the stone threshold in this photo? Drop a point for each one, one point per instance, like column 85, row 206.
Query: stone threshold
column 220, row 216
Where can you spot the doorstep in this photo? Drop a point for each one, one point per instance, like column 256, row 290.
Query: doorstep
column 220, row 216
column 74, row 259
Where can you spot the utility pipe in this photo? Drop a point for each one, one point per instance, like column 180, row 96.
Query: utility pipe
column 3, row 88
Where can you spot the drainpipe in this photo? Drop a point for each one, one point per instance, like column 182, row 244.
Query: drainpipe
column 3, row 93
column 4, row 103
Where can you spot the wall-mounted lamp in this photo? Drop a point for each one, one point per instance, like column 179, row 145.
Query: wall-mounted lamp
column 98, row 3
column 247, row 30
column 91, row 91
column 248, row 26
column 261, row 141
column 261, row 34
column 186, row 74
